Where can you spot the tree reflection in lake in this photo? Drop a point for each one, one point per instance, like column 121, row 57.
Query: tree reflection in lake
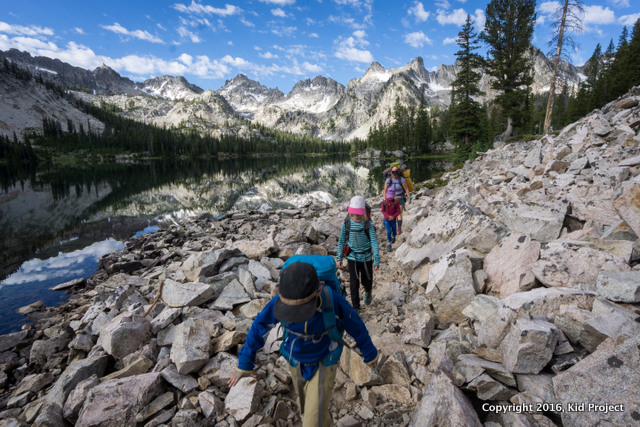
column 65, row 209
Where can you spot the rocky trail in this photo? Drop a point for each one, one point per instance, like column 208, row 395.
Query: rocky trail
column 512, row 299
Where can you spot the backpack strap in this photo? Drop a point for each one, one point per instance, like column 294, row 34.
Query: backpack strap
column 347, row 229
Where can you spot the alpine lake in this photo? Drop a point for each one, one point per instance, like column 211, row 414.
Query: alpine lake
column 57, row 221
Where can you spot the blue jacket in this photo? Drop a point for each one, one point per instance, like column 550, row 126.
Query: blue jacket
column 306, row 352
column 362, row 249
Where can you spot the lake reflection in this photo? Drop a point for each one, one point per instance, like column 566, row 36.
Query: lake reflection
column 55, row 223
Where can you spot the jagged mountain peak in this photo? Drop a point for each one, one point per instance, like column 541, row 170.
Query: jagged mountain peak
column 170, row 87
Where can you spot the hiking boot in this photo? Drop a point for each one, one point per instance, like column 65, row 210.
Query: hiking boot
column 367, row 298
column 393, row 240
column 389, row 247
column 399, row 230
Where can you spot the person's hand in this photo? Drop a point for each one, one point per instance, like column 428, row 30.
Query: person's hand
column 235, row 377
column 341, row 264
column 375, row 268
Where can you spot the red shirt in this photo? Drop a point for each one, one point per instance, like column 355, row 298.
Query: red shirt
column 390, row 209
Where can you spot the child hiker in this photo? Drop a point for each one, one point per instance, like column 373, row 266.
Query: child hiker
column 358, row 243
column 312, row 350
column 399, row 185
column 391, row 209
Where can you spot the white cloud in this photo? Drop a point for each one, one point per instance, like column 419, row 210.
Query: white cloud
column 279, row 12
column 444, row 4
column 347, row 21
column 198, row 8
column 629, row 20
column 549, row 7
column 417, row 39
column 312, row 68
column 138, row 34
column 620, row 3
column 19, row 30
column 314, row 36
column 236, row 62
column 457, row 17
column 184, row 33
column 352, row 48
column 279, row 2
column 418, row 11
column 449, row 40
column 247, row 22
column 79, row 30
column 598, row 15
column 267, row 55
column 284, row 31
column 479, row 19
column 64, row 266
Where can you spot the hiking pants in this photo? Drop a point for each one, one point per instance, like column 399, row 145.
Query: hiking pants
column 391, row 229
column 310, row 395
column 359, row 271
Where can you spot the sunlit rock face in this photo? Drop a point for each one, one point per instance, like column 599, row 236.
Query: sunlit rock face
column 319, row 107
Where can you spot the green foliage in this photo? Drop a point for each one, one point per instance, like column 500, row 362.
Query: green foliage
column 508, row 32
column 467, row 115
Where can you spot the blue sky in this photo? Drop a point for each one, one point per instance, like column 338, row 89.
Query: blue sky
column 277, row 42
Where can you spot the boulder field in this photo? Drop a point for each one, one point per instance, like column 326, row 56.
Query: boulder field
column 512, row 298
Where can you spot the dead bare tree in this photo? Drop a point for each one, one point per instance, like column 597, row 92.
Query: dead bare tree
column 566, row 19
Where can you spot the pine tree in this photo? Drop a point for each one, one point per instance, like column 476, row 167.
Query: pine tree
column 508, row 32
column 466, row 112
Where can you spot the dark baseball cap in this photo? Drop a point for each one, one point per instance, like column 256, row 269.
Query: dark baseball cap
column 298, row 293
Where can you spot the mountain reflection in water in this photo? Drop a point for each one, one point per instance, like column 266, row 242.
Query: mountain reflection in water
column 53, row 218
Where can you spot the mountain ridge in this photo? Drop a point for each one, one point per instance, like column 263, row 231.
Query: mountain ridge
column 320, row 107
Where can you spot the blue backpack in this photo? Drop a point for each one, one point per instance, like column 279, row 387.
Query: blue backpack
column 326, row 269
column 325, row 266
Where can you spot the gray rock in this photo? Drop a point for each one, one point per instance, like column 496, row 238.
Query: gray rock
column 219, row 369
column 359, row 372
column 184, row 383
column 419, row 331
column 155, row 406
column 539, row 386
column 243, row 399
column 472, row 366
column 529, row 346
column 256, row 249
column 450, row 287
column 165, row 318
column 246, row 280
column 394, row 371
column 33, row 383
column 540, row 222
column 233, row 294
column 124, row 334
column 609, row 377
column 76, row 398
column 489, row 389
column 508, row 265
column 211, row 405
column 207, row 264
column 191, row 346
column 261, row 274
column 178, row 295
column 117, row 402
column 571, row 321
column 227, row 341
column 619, row 287
column 443, row 404
column 16, row 339
column 627, row 207
column 607, row 320
column 447, row 228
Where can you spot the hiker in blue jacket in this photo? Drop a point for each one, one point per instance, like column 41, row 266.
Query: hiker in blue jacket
column 358, row 243
column 304, row 308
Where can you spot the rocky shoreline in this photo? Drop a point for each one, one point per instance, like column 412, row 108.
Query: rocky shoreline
column 512, row 299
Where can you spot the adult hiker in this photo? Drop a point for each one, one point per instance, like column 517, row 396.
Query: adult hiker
column 313, row 317
column 358, row 243
column 401, row 190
